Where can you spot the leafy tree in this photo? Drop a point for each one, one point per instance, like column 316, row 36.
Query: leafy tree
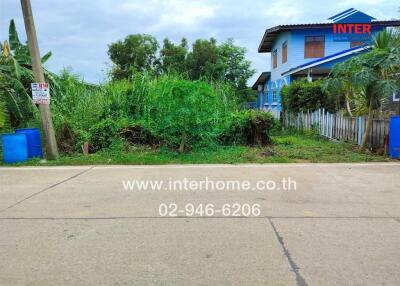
column 204, row 60
column 226, row 62
column 173, row 57
column 135, row 53
column 236, row 68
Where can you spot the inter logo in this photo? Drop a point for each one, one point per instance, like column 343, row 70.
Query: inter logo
column 352, row 28
column 352, row 25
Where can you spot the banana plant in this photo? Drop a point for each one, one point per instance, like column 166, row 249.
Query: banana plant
column 3, row 115
column 16, row 76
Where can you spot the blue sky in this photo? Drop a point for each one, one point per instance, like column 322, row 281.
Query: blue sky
column 78, row 31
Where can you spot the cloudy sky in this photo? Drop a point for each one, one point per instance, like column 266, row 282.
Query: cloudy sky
column 78, row 31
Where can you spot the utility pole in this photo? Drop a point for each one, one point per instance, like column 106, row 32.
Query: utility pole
column 45, row 113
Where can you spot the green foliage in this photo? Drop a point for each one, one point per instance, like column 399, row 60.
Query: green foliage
column 173, row 57
column 207, row 60
column 303, row 96
column 185, row 113
column 103, row 134
column 15, row 78
column 203, row 60
column 181, row 99
column 370, row 77
column 3, row 115
column 248, row 127
column 136, row 53
column 236, row 68
column 168, row 109
column 225, row 62
column 234, row 130
column 179, row 113
column 76, row 107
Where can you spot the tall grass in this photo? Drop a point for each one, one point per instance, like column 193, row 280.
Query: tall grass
column 184, row 112
column 178, row 112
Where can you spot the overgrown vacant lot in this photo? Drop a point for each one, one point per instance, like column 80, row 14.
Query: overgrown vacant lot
column 287, row 148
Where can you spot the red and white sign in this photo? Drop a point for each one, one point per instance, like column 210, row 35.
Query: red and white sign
column 40, row 93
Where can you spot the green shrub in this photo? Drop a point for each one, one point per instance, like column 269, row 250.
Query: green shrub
column 303, row 96
column 186, row 113
column 249, row 127
column 103, row 134
column 233, row 132
column 153, row 111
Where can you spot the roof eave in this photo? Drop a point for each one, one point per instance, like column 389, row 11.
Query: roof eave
column 267, row 48
column 263, row 77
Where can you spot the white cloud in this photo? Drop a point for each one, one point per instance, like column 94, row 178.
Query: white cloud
column 170, row 12
column 284, row 11
column 187, row 13
column 363, row 2
column 78, row 31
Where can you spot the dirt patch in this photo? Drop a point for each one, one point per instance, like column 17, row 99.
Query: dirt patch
column 138, row 135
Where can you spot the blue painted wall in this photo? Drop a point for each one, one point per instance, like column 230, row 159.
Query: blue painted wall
column 276, row 72
column 295, row 41
column 296, row 50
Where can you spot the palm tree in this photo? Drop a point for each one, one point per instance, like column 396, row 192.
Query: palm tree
column 372, row 76
column 340, row 82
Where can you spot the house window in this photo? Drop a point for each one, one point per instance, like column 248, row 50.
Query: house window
column 274, row 94
column 314, row 47
column 284, row 52
column 265, row 97
column 356, row 44
column 275, row 59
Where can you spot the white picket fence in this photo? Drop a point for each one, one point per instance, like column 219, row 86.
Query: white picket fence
column 340, row 127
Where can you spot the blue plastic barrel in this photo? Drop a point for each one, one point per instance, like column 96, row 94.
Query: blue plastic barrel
column 394, row 137
column 33, row 140
column 14, row 148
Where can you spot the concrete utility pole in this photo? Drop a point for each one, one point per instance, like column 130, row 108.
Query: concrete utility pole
column 45, row 113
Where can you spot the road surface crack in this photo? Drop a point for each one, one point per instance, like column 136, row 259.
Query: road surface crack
column 46, row 189
column 299, row 279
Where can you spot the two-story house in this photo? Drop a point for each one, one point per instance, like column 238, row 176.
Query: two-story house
column 311, row 50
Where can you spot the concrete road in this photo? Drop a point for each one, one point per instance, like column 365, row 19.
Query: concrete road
column 337, row 224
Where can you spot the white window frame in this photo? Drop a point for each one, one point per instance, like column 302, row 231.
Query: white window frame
column 274, row 93
column 266, row 93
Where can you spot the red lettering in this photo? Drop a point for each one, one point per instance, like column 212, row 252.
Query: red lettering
column 342, row 29
column 358, row 28
column 367, row 28
column 350, row 28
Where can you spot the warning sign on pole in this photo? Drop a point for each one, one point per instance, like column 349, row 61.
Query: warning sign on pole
column 40, row 93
